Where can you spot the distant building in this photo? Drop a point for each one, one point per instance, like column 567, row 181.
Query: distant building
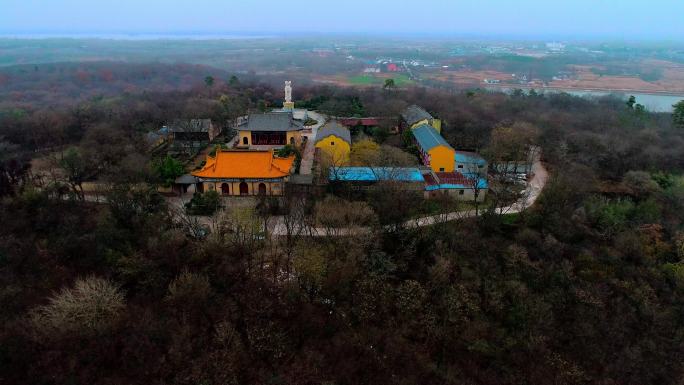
column 245, row 172
column 392, row 67
column 334, row 140
column 190, row 135
column 434, row 150
column 270, row 129
column 414, row 116
column 555, row 47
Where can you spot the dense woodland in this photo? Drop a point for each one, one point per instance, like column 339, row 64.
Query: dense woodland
column 586, row 287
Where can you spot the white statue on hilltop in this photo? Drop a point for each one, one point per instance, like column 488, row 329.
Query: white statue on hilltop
column 288, row 91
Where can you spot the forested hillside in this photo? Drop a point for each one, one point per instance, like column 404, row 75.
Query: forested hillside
column 585, row 287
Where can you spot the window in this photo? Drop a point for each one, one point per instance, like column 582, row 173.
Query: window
column 332, row 143
column 461, row 192
column 441, row 169
column 460, row 166
column 245, row 140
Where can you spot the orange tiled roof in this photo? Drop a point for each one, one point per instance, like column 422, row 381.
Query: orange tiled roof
column 245, row 164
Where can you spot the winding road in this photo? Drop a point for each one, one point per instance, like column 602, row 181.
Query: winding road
column 308, row 154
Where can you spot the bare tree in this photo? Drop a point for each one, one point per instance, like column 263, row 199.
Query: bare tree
column 191, row 224
column 241, row 230
column 476, row 180
column 92, row 306
column 74, row 169
column 338, row 217
column 294, row 225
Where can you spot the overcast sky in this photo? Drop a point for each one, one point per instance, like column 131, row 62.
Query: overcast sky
column 628, row 19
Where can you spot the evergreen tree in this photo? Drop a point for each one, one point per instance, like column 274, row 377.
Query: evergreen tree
column 678, row 114
column 209, row 81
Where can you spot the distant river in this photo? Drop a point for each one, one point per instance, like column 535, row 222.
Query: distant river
column 653, row 102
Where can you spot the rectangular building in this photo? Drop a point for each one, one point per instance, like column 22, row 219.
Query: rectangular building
column 245, row 172
column 270, row 129
column 434, row 150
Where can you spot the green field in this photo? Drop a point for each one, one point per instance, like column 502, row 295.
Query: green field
column 366, row 80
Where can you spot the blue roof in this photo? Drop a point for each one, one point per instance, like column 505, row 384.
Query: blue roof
column 428, row 138
column 481, row 183
column 369, row 174
column 469, row 157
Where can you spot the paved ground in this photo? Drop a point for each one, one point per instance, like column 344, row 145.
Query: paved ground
column 308, row 155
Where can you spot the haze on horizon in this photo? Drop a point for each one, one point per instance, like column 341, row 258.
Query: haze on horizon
column 579, row 19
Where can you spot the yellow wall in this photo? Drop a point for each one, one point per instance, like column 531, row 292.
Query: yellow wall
column 272, row 188
column 245, row 134
column 339, row 152
column 296, row 135
column 437, row 125
column 248, row 134
column 442, row 157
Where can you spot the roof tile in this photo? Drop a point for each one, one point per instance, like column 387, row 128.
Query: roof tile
column 245, row 164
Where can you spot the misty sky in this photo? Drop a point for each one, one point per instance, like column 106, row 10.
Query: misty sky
column 628, row 19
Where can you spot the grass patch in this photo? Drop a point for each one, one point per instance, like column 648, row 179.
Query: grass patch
column 364, row 80
column 369, row 79
column 510, row 219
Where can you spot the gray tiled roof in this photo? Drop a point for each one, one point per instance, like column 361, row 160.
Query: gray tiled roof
column 190, row 125
column 414, row 114
column 186, row 179
column 332, row 127
column 428, row 138
column 271, row 121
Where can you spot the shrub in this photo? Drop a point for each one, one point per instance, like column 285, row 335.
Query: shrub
column 641, row 183
column 204, row 203
column 310, row 122
column 168, row 169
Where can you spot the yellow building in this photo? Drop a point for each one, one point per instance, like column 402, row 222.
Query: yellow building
column 270, row 129
column 245, row 172
column 334, row 140
column 434, row 150
column 414, row 116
